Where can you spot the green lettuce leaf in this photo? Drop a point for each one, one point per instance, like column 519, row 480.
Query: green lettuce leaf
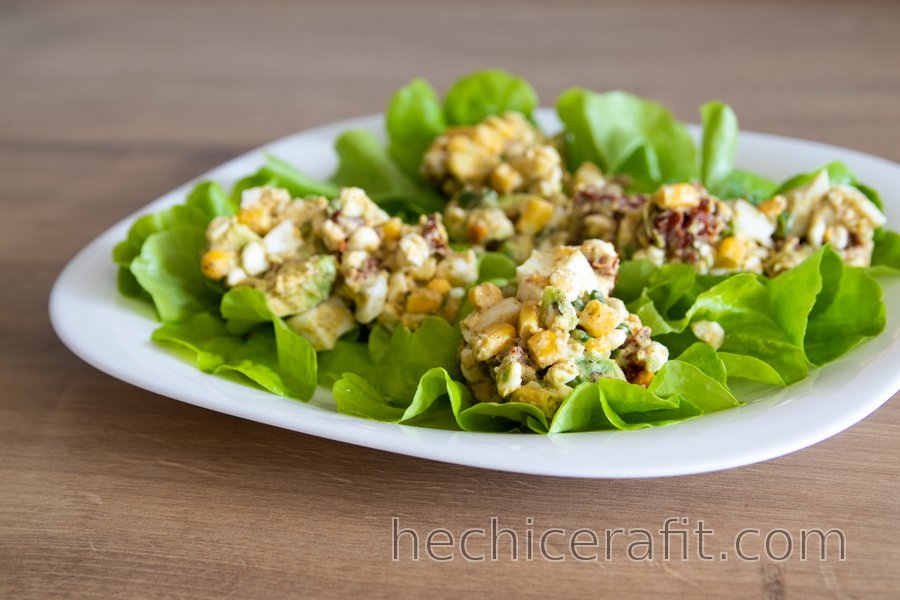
column 622, row 133
column 743, row 184
column 773, row 328
column 718, row 149
column 616, row 404
column 688, row 382
column 439, row 402
column 838, row 174
column 395, row 361
column 705, row 358
column 848, row 311
column 282, row 174
column 276, row 359
column 743, row 307
column 279, row 173
column 413, row 119
column 129, row 287
column 354, row 395
column 205, row 201
column 349, row 356
column 484, row 93
column 508, row 417
column 634, row 276
column 495, row 265
column 365, row 163
column 243, row 308
column 168, row 268
column 719, row 144
column 886, row 256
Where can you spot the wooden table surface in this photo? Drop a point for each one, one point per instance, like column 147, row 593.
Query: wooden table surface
column 110, row 491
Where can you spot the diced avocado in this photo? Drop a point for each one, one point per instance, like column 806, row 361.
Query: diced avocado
column 591, row 369
column 470, row 197
column 556, row 311
column 580, row 335
column 518, row 248
column 324, row 324
column 240, row 235
column 297, row 286
column 512, row 203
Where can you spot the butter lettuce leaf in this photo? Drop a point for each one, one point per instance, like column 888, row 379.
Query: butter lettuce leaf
column 275, row 358
column 838, row 174
column 717, row 152
column 743, row 184
column 439, row 402
column 705, row 358
column 886, row 256
column 396, row 361
column 413, row 119
column 625, row 134
column 719, row 144
column 205, row 201
column 689, row 383
column 849, row 310
column 283, row 174
column 616, row 404
column 364, row 162
column 774, row 328
column 168, row 268
column 484, row 93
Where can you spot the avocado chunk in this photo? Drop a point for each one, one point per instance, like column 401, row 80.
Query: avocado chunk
column 299, row 285
column 324, row 324
column 592, row 369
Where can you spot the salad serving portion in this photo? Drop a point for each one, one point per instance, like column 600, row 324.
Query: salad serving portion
column 477, row 273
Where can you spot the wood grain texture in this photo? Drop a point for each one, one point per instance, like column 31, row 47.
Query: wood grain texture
column 110, row 491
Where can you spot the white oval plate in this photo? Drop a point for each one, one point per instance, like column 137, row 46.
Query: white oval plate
column 112, row 333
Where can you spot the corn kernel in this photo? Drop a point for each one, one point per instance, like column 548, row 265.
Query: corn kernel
column 392, row 229
column 548, row 346
column 458, row 140
column 471, row 166
column 485, row 295
column 493, row 340
column 488, row 137
column 731, row 253
column 598, row 319
column 508, row 126
column 256, row 217
column 439, row 285
column 773, row 206
column 679, row 195
column 423, row 301
column 505, row 179
column 643, row 378
column 528, row 320
column 215, row 264
column 535, row 215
